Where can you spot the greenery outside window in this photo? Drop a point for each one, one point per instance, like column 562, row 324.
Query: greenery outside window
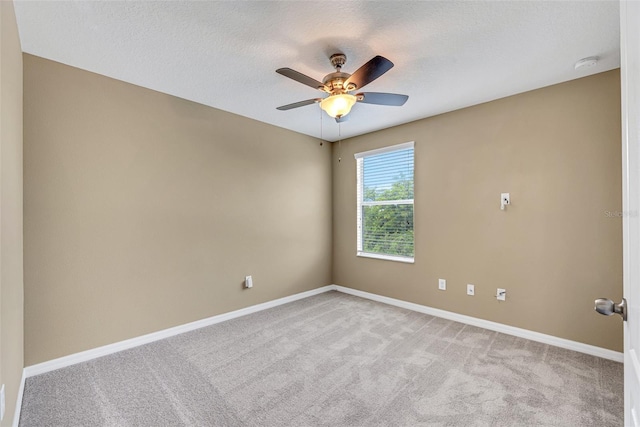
column 385, row 203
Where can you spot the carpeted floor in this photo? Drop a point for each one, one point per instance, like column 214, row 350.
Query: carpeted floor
column 332, row 360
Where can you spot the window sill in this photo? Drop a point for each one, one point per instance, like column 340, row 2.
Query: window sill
column 408, row 260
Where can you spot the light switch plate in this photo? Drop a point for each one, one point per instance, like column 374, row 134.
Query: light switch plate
column 442, row 284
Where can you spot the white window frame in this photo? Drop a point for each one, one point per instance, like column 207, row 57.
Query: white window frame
column 360, row 203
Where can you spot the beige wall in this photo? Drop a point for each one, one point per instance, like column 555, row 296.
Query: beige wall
column 557, row 151
column 144, row 211
column 11, row 292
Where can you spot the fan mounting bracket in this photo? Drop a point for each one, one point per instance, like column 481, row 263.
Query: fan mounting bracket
column 338, row 60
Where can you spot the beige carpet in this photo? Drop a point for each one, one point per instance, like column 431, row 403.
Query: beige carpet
column 332, row 360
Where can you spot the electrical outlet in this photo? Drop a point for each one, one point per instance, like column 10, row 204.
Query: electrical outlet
column 442, row 284
column 2, row 402
column 471, row 289
column 501, row 294
column 248, row 282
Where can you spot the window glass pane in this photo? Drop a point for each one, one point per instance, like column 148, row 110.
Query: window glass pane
column 388, row 176
column 388, row 229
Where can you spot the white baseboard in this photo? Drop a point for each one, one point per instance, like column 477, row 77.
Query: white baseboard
column 16, row 414
column 84, row 356
column 492, row 326
column 94, row 353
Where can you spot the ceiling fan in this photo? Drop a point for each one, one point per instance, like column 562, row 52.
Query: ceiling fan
column 339, row 86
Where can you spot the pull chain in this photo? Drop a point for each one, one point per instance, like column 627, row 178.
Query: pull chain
column 339, row 142
column 321, row 140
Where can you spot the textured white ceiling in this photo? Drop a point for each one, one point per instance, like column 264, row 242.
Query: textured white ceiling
column 447, row 55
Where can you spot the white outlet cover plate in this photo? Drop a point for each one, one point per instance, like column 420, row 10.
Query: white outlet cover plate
column 442, row 284
column 501, row 294
column 471, row 289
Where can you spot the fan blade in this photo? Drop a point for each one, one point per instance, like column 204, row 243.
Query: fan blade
column 301, row 78
column 342, row 119
column 382, row 98
column 368, row 73
column 299, row 104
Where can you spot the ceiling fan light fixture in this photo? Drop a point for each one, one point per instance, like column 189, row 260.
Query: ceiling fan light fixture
column 338, row 105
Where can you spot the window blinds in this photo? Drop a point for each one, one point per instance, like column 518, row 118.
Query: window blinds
column 385, row 201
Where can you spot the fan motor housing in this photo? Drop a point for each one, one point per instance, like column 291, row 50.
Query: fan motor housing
column 335, row 81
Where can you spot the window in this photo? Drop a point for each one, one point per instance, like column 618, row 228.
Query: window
column 385, row 203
